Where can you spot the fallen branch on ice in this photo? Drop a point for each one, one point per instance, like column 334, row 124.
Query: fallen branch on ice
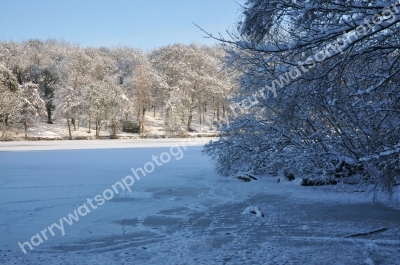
column 368, row 233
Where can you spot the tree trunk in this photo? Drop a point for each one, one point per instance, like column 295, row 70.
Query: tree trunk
column 190, row 116
column 26, row 126
column 97, row 127
column 189, row 123
column 48, row 109
column 138, row 113
column 218, row 111
column 90, row 125
column 142, row 120
column 4, row 129
column 204, row 111
column 73, row 123
column 167, row 116
column 113, row 130
column 199, row 109
column 69, row 130
column 213, row 105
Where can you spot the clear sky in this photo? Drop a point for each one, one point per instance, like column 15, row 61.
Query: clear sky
column 144, row 24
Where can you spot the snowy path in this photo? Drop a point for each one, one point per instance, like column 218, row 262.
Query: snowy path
column 181, row 213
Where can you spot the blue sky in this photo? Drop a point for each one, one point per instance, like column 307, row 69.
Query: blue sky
column 144, row 24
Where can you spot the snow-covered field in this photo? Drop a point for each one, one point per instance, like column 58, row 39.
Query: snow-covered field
column 180, row 213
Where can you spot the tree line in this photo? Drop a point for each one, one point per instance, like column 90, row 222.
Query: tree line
column 108, row 86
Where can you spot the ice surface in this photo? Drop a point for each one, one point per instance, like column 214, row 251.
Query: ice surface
column 181, row 213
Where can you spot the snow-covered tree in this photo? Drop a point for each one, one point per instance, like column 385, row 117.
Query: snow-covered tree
column 142, row 94
column 194, row 75
column 73, row 78
column 9, row 101
column 117, row 105
column 31, row 104
column 320, row 93
column 67, row 101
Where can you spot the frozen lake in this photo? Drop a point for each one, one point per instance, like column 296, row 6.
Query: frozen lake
column 180, row 212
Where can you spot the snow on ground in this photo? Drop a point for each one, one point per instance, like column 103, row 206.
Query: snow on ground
column 52, row 131
column 59, row 130
column 181, row 213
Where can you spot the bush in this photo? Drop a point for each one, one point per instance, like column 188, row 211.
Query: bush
column 130, row 127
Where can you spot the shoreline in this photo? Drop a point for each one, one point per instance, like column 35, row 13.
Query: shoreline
column 10, row 146
column 108, row 137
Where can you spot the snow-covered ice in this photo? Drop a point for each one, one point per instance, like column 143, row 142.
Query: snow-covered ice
column 181, row 213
